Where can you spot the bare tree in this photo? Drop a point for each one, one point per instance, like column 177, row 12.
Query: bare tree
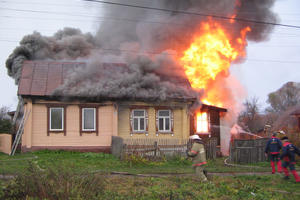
column 250, row 117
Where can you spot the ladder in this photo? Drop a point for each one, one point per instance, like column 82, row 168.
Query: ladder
column 19, row 132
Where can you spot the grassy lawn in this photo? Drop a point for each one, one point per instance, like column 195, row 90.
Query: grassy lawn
column 74, row 175
column 99, row 162
column 64, row 185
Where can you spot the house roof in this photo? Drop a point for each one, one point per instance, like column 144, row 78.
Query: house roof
column 210, row 107
column 42, row 78
column 296, row 112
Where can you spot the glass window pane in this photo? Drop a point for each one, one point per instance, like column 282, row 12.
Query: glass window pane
column 162, row 113
column 161, row 124
column 167, row 124
column 89, row 118
column 135, row 124
column 142, row 124
column 56, row 118
column 138, row 113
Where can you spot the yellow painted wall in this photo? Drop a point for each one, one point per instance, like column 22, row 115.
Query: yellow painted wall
column 5, row 143
column 35, row 132
column 181, row 122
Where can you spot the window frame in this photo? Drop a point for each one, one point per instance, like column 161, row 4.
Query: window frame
column 96, row 119
column 139, row 122
column 131, row 119
column 64, row 121
column 164, row 121
column 94, row 123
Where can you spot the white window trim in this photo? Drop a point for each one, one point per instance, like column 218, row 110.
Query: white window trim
column 83, row 129
column 62, row 117
column 139, row 117
column 164, row 119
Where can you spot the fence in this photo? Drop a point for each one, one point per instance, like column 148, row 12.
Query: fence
column 248, row 151
column 157, row 148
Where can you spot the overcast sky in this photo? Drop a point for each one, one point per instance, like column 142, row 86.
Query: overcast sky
column 268, row 65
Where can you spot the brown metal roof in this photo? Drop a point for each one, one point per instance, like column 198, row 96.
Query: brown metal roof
column 41, row 78
column 296, row 112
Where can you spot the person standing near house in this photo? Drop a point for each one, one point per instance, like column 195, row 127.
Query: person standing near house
column 197, row 152
column 288, row 156
column 272, row 148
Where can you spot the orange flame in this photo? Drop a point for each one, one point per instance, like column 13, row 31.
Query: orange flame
column 211, row 55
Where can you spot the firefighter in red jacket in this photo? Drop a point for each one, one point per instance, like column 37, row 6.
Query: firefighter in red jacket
column 288, row 156
column 272, row 148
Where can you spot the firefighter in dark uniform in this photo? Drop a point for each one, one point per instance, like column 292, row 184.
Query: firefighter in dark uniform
column 272, row 148
column 288, row 156
column 197, row 152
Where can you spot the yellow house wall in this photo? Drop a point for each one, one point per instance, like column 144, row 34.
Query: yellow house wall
column 181, row 123
column 5, row 143
column 35, row 132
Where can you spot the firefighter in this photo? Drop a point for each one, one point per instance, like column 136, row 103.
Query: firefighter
column 198, row 154
column 288, row 156
column 272, row 148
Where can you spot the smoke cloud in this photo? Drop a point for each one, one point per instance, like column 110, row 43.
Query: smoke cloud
column 141, row 79
column 160, row 37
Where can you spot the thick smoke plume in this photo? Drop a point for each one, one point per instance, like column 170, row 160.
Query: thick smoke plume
column 140, row 32
column 141, row 79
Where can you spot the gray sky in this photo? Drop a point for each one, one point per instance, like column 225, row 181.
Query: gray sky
column 268, row 65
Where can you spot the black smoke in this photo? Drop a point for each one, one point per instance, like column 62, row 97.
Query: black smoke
column 131, row 32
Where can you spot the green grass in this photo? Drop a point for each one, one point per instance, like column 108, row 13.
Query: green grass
column 149, row 188
column 100, row 162
column 69, row 174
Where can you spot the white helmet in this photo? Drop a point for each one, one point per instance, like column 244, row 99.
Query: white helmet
column 195, row 137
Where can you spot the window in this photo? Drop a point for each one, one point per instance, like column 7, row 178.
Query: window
column 88, row 119
column 139, row 120
column 56, row 119
column 164, row 120
column 202, row 125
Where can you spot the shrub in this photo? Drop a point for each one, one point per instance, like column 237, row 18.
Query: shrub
column 5, row 126
column 53, row 183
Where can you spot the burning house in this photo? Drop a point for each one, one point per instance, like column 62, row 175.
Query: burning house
column 138, row 79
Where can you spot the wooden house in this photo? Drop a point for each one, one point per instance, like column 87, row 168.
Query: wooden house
column 88, row 124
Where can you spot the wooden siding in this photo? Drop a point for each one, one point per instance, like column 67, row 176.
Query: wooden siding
column 181, row 123
column 35, row 133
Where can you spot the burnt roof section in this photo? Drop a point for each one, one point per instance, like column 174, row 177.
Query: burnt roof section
column 296, row 112
column 206, row 107
column 41, row 78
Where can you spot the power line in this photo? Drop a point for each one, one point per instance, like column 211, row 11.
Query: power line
column 165, row 53
column 195, row 14
column 67, row 5
column 100, row 19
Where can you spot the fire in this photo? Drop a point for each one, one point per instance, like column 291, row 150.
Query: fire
column 209, row 56
column 202, row 122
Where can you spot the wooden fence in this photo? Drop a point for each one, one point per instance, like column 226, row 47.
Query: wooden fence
column 157, row 148
column 248, row 151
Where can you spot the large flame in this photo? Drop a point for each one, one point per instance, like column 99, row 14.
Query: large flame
column 210, row 55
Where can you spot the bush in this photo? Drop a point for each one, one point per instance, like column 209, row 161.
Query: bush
column 5, row 126
column 53, row 183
